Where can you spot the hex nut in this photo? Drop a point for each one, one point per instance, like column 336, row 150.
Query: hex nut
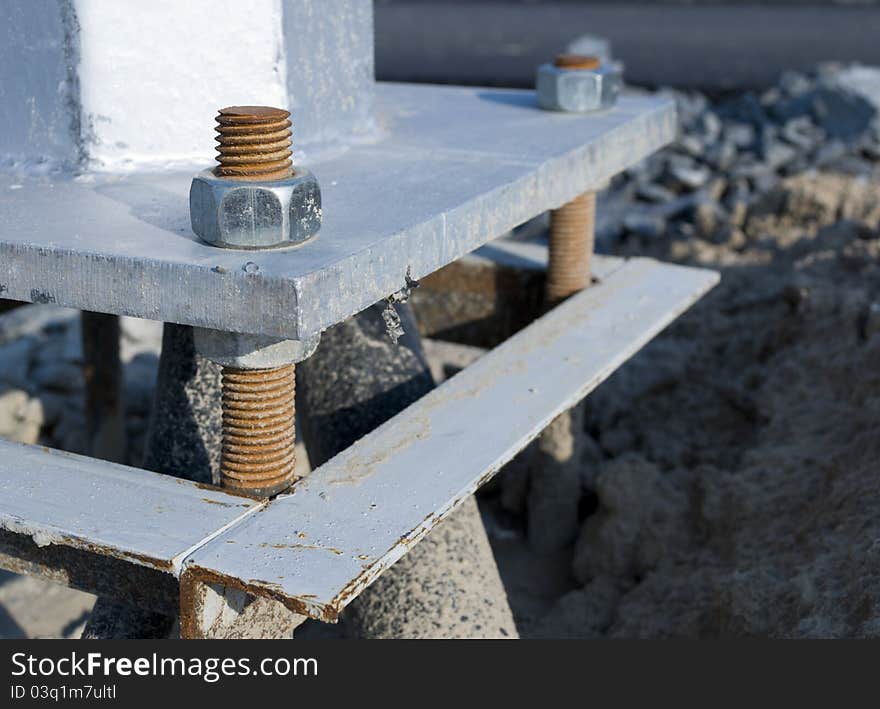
column 246, row 351
column 255, row 215
column 578, row 90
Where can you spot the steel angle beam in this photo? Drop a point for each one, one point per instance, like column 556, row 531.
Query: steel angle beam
column 52, row 500
column 455, row 168
column 352, row 518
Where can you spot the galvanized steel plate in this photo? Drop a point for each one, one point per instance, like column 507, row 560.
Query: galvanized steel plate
column 456, row 168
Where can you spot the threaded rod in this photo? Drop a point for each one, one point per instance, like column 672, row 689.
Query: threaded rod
column 258, row 429
column 254, row 143
column 258, row 405
column 571, row 247
column 576, row 61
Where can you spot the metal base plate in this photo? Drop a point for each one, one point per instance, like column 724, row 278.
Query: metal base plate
column 456, row 168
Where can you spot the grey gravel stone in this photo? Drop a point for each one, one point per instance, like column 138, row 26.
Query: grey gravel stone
column 710, row 126
column 794, row 83
column 721, row 155
column 58, row 375
column 652, row 192
column 829, row 152
column 802, row 133
column 778, row 154
column 741, row 135
column 842, row 114
column 645, row 224
column 32, row 320
column 737, row 202
column 709, row 216
column 15, row 361
column 691, row 145
column 689, row 176
column 745, row 108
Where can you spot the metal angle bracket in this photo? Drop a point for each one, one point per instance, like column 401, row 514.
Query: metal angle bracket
column 316, row 549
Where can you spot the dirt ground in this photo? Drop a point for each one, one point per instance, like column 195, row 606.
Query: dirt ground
column 730, row 472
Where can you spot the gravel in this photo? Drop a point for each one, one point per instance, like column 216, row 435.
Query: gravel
column 741, row 147
column 41, row 377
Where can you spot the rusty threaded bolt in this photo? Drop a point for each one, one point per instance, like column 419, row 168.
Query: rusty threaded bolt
column 572, row 226
column 572, row 229
column 576, row 61
column 258, row 405
column 258, row 429
column 254, row 143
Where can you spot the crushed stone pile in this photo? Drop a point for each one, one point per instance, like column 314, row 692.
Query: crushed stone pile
column 732, row 152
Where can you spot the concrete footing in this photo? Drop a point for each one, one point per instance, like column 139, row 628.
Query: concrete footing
column 448, row 585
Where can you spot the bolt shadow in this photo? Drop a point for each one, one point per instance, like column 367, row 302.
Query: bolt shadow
column 150, row 200
column 518, row 99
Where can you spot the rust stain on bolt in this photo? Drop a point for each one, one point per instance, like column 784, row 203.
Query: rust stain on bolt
column 254, row 143
column 258, row 405
column 572, row 229
column 258, row 429
column 572, row 226
column 576, row 61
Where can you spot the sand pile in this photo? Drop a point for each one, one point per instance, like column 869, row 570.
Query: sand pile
column 736, row 488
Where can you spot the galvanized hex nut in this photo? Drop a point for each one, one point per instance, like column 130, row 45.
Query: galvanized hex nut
column 255, row 215
column 578, row 90
column 245, row 351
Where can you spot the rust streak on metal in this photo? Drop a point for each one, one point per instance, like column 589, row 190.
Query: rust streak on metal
column 140, row 559
column 332, row 550
column 216, row 488
column 193, row 576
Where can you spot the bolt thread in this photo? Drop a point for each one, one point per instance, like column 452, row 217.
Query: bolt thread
column 258, row 429
column 254, row 143
column 576, row 61
column 571, row 247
